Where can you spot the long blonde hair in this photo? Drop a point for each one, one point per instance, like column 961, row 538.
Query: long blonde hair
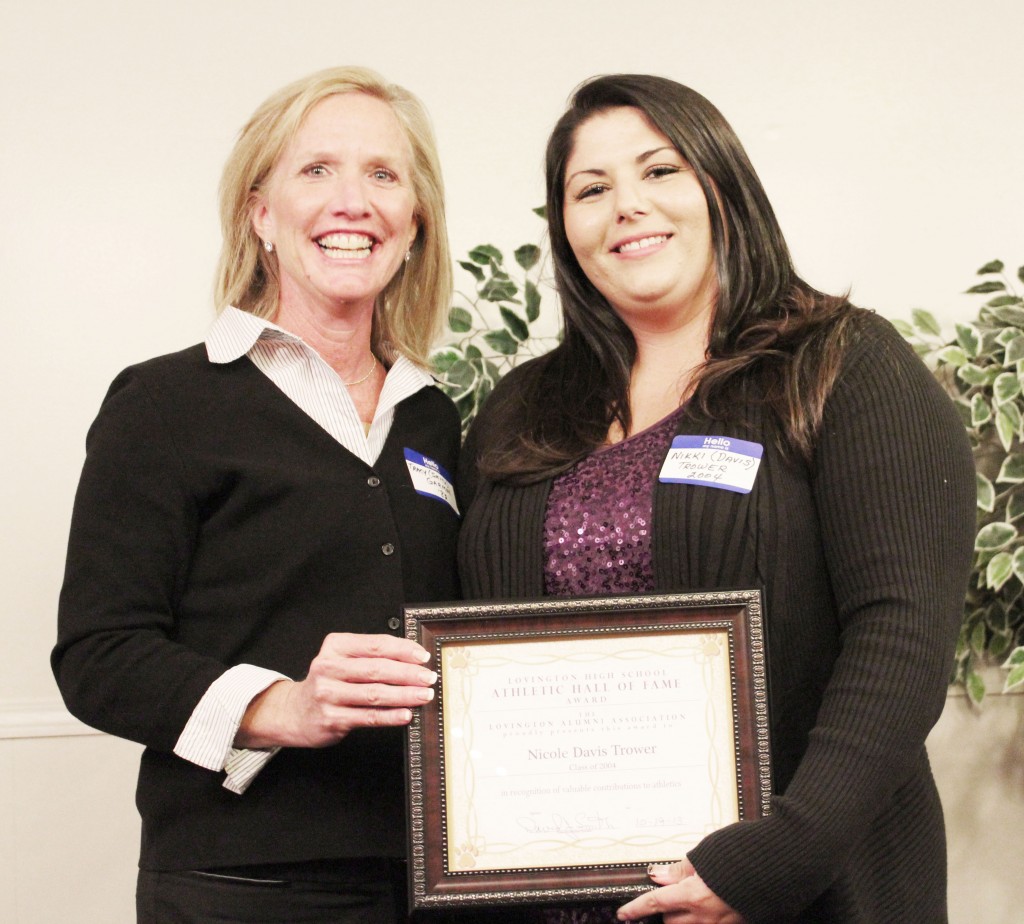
column 410, row 310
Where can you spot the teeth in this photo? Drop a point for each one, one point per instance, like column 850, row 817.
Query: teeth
column 353, row 245
column 643, row 242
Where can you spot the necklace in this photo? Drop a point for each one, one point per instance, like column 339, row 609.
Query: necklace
column 369, row 372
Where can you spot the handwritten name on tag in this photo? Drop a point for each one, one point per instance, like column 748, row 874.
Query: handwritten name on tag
column 430, row 479
column 713, row 461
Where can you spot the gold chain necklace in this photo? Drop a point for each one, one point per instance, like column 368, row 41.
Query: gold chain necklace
column 369, row 372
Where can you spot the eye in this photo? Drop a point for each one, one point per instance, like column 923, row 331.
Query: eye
column 658, row 171
column 315, row 170
column 384, row 175
column 590, row 192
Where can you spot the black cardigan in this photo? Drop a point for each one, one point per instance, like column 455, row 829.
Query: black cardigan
column 863, row 559
column 217, row 524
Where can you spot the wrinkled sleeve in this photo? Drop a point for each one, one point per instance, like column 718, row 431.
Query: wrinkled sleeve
column 133, row 532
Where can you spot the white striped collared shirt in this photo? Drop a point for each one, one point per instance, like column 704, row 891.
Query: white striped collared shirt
column 301, row 373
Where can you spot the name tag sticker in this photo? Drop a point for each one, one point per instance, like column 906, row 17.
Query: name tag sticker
column 712, row 461
column 430, row 479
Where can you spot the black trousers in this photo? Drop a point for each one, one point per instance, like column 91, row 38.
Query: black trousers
column 332, row 892
column 272, row 896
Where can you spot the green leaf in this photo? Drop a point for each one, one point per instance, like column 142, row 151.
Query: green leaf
column 1000, row 300
column 1014, row 349
column 1010, row 315
column 1015, row 506
column 473, row 352
column 515, row 324
column 993, row 266
column 462, row 374
column 1015, row 665
column 994, row 537
column 485, row 254
column 498, row 290
column 1006, row 387
column 478, row 273
column 986, row 493
column 1018, row 564
column 925, row 322
column 975, row 686
column 990, row 341
column 467, row 406
column 999, row 570
column 999, row 643
column 973, row 374
column 459, row 320
column 1020, row 273
column 969, row 339
column 1007, row 424
column 905, row 329
column 501, row 341
column 532, row 294
column 981, row 413
column 952, row 355
column 443, row 360
column 527, row 256
column 1014, row 679
column 979, row 633
column 1012, row 469
column 492, row 371
column 483, row 390
column 962, row 644
column 541, row 210
column 993, row 285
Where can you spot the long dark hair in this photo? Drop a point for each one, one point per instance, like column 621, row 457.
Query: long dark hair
column 768, row 323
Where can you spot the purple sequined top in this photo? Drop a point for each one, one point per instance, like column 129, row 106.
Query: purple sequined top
column 597, row 528
column 597, row 540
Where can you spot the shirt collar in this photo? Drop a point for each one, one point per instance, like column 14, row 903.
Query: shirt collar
column 235, row 332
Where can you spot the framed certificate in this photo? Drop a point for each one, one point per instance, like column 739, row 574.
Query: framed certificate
column 573, row 742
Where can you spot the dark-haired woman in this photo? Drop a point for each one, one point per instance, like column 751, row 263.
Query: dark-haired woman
column 684, row 316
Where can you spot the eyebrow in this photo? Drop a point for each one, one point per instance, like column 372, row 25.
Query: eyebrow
column 640, row 158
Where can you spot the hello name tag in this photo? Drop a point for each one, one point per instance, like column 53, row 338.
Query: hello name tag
column 713, row 462
column 430, row 479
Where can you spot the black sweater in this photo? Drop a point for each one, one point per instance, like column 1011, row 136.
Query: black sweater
column 863, row 558
column 216, row 524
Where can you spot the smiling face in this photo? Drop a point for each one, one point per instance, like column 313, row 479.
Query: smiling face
column 637, row 221
column 339, row 206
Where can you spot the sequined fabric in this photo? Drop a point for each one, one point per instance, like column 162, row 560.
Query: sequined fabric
column 597, row 529
column 597, row 540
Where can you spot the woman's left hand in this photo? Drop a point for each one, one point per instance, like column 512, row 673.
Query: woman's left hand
column 682, row 899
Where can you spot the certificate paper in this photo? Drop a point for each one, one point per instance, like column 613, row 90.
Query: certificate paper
column 574, row 742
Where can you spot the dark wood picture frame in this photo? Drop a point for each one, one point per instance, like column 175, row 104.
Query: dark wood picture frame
column 735, row 615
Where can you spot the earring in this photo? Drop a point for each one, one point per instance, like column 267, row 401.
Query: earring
column 408, row 255
column 268, row 247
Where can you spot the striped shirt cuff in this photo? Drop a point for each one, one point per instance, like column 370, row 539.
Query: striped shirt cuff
column 208, row 737
column 243, row 766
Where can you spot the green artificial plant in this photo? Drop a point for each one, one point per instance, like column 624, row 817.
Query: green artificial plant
column 492, row 329
column 983, row 369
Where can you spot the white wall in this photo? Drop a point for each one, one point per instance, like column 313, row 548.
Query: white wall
column 888, row 136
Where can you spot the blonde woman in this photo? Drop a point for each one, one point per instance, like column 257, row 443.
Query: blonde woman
column 253, row 512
